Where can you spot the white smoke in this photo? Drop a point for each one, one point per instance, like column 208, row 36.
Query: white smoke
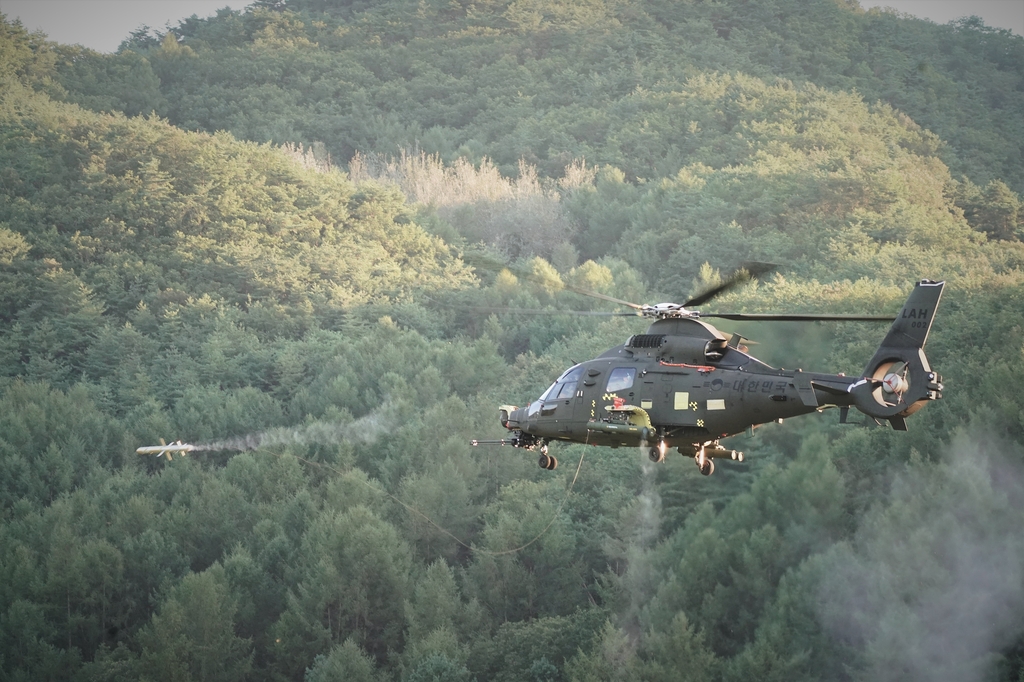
column 640, row 532
column 932, row 585
column 649, row 509
column 366, row 429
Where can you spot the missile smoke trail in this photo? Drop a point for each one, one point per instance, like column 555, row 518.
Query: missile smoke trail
column 366, row 429
column 363, row 430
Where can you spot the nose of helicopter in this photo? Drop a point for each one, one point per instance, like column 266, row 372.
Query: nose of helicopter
column 511, row 416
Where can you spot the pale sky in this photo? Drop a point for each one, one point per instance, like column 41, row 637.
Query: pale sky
column 997, row 13
column 103, row 24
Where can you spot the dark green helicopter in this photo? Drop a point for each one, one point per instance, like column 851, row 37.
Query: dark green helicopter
column 684, row 384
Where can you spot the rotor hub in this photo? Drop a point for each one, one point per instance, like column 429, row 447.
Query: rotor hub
column 664, row 311
column 893, row 383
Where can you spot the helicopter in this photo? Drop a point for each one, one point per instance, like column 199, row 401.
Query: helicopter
column 686, row 385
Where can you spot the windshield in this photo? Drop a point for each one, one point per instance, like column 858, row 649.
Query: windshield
column 552, row 390
column 565, row 386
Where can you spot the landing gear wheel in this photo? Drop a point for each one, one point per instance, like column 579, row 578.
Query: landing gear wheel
column 547, row 462
column 656, row 454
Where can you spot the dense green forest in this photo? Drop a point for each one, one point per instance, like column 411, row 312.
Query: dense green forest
column 265, row 232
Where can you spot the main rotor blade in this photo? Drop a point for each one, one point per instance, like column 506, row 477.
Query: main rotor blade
column 603, row 297
column 481, row 260
column 799, row 317
column 536, row 311
column 744, row 273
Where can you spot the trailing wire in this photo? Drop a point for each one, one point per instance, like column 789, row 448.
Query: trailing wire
column 433, row 523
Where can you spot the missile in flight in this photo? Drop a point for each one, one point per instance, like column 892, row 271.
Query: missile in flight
column 165, row 449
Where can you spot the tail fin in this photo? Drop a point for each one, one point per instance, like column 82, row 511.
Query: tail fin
column 910, row 330
column 898, row 380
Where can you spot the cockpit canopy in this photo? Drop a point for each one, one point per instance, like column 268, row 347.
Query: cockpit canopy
column 565, row 385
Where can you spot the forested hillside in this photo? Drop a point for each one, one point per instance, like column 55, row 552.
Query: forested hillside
column 554, row 81
column 265, row 232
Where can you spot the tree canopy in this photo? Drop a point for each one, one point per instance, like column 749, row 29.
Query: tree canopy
column 297, row 235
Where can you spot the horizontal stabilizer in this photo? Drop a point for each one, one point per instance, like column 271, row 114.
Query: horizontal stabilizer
column 804, row 389
column 834, row 389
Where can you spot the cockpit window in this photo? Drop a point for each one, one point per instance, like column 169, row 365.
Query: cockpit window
column 621, row 378
column 565, row 387
column 568, row 390
column 551, row 392
column 571, row 374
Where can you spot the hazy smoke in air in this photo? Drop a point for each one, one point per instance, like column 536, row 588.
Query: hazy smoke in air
column 642, row 527
column 649, row 511
column 366, row 429
column 932, row 586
